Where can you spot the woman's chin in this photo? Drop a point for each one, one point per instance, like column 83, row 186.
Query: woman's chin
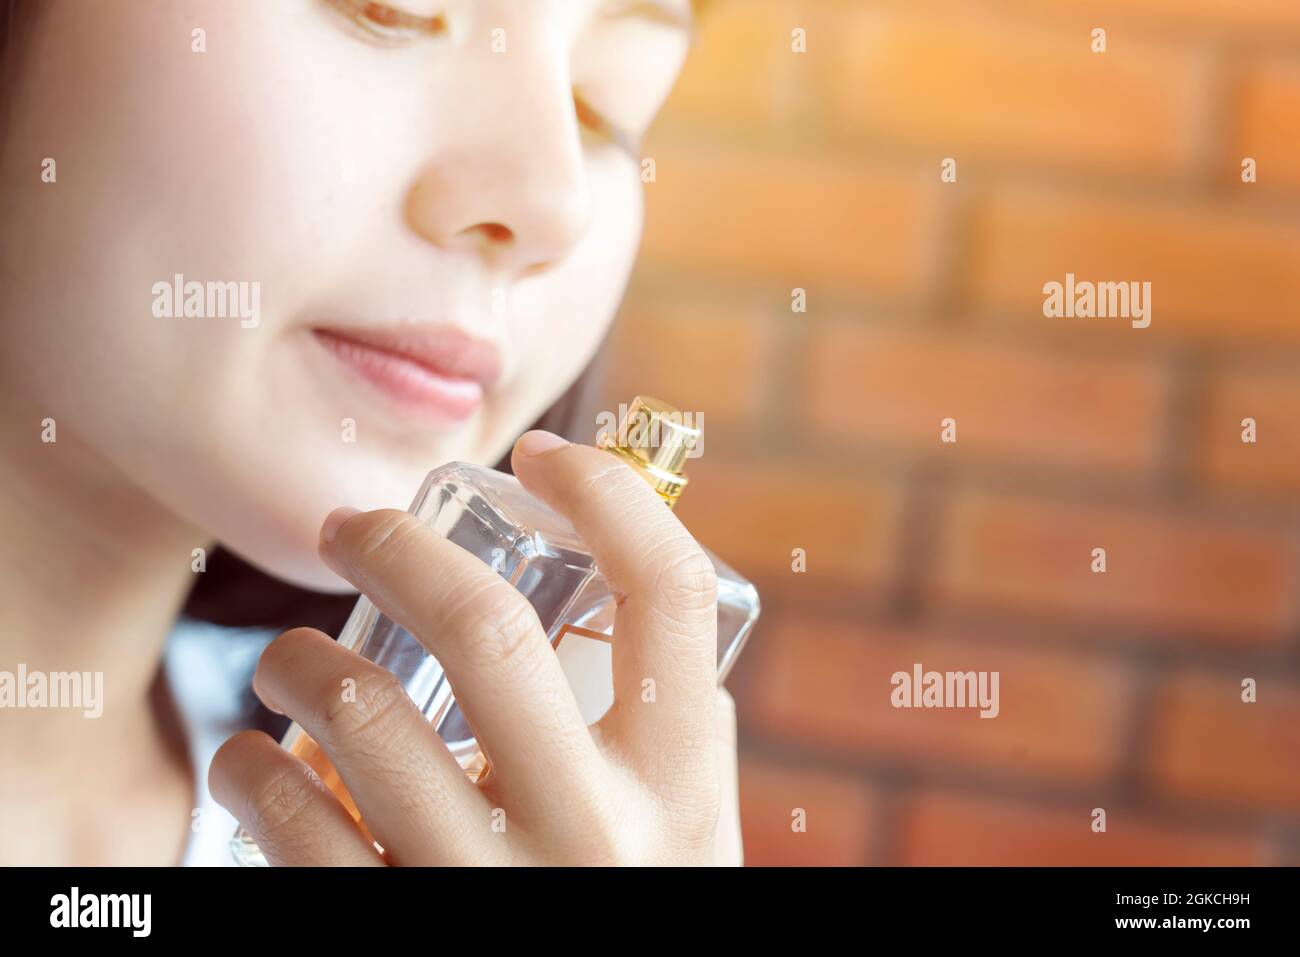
column 300, row 570
column 323, row 580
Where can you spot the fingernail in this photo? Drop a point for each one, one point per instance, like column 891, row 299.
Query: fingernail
column 536, row 442
column 334, row 521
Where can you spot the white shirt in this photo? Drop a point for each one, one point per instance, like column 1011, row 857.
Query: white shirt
column 209, row 670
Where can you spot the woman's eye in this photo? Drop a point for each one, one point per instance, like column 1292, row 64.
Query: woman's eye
column 592, row 120
column 383, row 21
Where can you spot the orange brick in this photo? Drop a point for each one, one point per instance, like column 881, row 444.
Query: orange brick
column 828, row 683
column 1273, row 461
column 980, row 87
column 1215, row 277
column 1268, row 102
column 702, row 356
column 946, row 830
column 1176, row 574
column 752, row 516
column 785, row 218
column 838, row 816
column 1208, row 743
column 1024, row 406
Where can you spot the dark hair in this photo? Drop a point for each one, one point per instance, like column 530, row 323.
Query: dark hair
column 8, row 10
column 14, row 15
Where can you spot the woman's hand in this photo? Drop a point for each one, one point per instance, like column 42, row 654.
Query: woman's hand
column 653, row 782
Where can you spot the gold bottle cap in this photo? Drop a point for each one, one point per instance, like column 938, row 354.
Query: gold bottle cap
column 654, row 439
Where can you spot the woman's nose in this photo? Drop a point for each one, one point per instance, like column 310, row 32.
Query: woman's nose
column 506, row 178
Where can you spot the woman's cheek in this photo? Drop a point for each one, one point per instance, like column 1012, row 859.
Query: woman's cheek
column 565, row 314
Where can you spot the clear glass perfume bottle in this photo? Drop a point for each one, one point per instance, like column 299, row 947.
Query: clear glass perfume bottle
column 489, row 514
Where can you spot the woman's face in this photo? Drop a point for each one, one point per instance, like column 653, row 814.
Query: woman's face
column 405, row 246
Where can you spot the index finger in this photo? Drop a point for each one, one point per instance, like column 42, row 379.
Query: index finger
column 665, row 587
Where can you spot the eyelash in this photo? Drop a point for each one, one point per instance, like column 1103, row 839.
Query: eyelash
column 601, row 125
column 388, row 24
column 392, row 27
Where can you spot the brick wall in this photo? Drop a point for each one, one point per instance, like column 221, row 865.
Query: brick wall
column 1120, row 690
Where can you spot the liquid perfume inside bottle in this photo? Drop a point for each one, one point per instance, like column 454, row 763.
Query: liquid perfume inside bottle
column 489, row 514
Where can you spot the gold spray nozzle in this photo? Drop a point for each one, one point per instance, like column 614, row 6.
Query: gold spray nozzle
column 655, row 440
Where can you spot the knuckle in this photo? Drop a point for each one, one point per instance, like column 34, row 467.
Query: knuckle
column 281, row 801
column 379, row 701
column 687, row 583
column 500, row 624
column 384, row 536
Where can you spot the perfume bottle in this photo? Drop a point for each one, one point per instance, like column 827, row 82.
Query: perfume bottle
column 490, row 515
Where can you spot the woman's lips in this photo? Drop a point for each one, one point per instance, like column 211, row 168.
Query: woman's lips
column 436, row 370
